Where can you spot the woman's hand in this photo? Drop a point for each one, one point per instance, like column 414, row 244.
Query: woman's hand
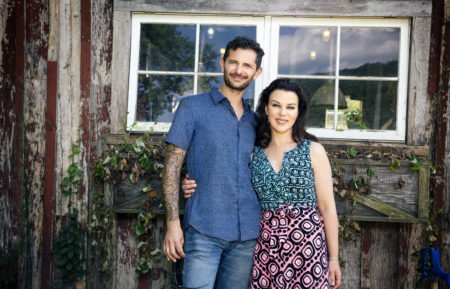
column 335, row 273
column 188, row 187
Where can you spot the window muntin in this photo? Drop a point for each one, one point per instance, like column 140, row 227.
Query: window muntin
column 362, row 63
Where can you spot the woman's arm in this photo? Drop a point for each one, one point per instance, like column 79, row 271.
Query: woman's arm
column 327, row 207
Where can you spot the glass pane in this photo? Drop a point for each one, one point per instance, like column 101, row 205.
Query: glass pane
column 159, row 95
column 213, row 41
column 205, row 83
column 369, row 51
column 370, row 104
column 320, row 96
column 167, row 47
column 307, row 50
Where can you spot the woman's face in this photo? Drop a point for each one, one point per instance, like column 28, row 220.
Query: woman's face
column 282, row 110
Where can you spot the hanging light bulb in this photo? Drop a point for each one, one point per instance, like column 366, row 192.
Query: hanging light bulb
column 326, row 35
column 210, row 33
column 312, row 55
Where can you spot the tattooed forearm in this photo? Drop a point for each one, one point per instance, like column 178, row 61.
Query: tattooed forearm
column 171, row 180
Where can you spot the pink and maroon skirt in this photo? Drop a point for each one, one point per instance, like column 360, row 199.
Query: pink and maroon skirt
column 291, row 251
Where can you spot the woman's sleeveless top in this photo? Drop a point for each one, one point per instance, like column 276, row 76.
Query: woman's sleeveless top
column 292, row 185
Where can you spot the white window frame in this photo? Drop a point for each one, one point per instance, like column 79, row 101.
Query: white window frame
column 401, row 79
column 198, row 20
column 267, row 34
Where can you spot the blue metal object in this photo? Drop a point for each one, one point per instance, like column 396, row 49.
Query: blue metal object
column 431, row 265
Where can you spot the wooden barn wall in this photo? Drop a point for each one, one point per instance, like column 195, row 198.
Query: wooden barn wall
column 444, row 152
column 11, row 128
column 384, row 255
column 64, row 77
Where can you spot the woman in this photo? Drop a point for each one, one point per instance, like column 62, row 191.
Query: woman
column 292, row 176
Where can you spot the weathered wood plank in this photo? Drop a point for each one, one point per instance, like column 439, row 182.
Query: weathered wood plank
column 418, row 101
column 160, row 274
column 120, row 60
column 410, row 240
column 350, row 258
column 360, row 8
column 127, row 254
column 381, row 207
column 35, row 92
column 68, row 105
column 378, row 265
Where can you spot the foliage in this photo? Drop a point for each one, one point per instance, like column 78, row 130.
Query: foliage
column 70, row 241
column 142, row 159
column 355, row 119
column 69, row 248
column 9, row 268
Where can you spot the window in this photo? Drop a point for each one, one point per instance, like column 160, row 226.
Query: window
column 352, row 71
column 173, row 57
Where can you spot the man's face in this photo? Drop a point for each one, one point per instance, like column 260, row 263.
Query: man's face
column 239, row 69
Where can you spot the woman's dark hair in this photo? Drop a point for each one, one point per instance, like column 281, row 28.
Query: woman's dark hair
column 263, row 132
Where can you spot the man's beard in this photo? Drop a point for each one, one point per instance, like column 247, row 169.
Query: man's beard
column 231, row 85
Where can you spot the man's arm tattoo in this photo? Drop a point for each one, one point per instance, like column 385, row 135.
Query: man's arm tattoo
column 171, row 180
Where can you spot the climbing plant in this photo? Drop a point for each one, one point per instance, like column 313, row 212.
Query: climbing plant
column 70, row 241
column 142, row 159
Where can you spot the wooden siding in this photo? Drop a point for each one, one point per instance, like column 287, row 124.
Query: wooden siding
column 77, row 51
column 359, row 8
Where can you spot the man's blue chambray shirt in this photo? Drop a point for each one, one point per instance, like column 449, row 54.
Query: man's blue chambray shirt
column 219, row 147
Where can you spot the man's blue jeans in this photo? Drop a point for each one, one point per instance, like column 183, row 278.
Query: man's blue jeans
column 207, row 257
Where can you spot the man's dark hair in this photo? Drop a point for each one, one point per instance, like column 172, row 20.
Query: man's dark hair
column 245, row 43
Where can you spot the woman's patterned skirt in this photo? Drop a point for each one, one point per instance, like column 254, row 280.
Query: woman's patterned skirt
column 291, row 251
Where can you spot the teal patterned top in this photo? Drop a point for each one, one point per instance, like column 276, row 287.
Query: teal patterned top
column 292, row 185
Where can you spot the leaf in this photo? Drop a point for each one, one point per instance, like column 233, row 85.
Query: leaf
column 107, row 160
column 142, row 244
column 155, row 252
column 352, row 152
column 140, row 143
column 133, row 178
column 65, row 182
column 370, row 173
column 146, row 164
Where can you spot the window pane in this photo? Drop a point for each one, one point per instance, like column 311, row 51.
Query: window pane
column 159, row 95
column 320, row 96
column 167, row 47
column 213, row 41
column 205, row 83
column 371, row 104
column 307, row 50
column 369, row 51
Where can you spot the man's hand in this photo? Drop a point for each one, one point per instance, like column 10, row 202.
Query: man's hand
column 188, row 187
column 173, row 242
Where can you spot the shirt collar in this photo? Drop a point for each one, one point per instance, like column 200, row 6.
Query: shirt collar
column 217, row 97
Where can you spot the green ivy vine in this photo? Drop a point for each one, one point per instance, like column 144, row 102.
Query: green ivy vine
column 142, row 159
column 70, row 241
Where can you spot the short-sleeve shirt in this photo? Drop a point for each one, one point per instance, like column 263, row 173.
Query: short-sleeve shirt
column 219, row 147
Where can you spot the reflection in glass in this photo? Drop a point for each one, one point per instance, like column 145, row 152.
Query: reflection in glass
column 307, row 50
column 158, row 96
column 320, row 96
column 371, row 104
column 369, row 51
column 213, row 38
column 167, row 47
column 206, row 83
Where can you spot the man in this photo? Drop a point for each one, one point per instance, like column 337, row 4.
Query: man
column 215, row 131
